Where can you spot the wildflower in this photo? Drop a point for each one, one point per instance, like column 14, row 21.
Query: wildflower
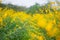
column 40, row 37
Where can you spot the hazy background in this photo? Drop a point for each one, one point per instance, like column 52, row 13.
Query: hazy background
column 26, row 3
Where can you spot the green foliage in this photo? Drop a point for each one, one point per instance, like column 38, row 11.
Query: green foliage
column 9, row 33
column 34, row 9
column 18, row 30
column 14, row 7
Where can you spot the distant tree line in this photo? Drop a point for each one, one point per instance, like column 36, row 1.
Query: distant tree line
column 14, row 7
column 37, row 8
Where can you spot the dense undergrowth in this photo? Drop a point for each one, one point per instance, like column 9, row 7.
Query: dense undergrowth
column 20, row 25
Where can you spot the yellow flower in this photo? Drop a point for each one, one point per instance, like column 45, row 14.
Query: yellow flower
column 42, row 22
column 5, row 15
column 37, row 16
column 24, row 16
column 0, row 19
column 49, row 26
column 1, row 23
column 33, row 35
column 40, row 37
column 50, row 15
column 53, row 32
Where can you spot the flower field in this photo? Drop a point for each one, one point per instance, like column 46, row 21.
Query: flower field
column 19, row 25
